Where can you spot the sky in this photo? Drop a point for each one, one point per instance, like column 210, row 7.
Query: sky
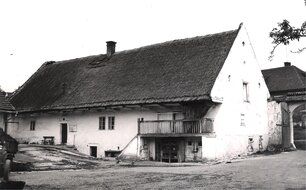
column 35, row 31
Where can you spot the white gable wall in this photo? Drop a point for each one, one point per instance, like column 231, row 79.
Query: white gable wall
column 231, row 137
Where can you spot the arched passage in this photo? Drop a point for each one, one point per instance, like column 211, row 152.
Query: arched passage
column 299, row 126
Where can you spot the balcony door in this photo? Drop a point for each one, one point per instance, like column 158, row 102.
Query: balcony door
column 170, row 116
column 170, row 122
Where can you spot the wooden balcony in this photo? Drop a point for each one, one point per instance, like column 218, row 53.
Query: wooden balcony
column 176, row 127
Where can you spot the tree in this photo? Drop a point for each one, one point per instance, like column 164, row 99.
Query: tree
column 284, row 34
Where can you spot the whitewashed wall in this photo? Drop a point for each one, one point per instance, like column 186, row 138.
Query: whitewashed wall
column 87, row 124
column 274, row 121
column 231, row 137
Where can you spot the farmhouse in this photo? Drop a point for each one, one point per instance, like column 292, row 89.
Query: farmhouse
column 6, row 109
column 182, row 100
column 287, row 86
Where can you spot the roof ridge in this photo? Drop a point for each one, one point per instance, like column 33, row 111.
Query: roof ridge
column 177, row 40
column 147, row 46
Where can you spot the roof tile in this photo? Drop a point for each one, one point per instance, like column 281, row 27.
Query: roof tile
column 180, row 70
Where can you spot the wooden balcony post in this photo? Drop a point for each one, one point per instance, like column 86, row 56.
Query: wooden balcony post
column 138, row 125
column 173, row 123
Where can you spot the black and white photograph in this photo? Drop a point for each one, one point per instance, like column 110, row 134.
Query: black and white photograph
column 152, row 94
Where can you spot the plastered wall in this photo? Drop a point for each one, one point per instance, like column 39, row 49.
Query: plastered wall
column 232, row 137
column 87, row 129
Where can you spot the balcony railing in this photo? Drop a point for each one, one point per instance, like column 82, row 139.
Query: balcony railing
column 176, row 126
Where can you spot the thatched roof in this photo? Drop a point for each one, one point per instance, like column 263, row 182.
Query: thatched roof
column 285, row 79
column 5, row 105
column 175, row 71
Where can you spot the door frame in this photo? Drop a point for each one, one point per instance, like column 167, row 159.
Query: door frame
column 91, row 147
column 61, row 133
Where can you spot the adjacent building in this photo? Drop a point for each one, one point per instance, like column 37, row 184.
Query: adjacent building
column 182, row 100
column 6, row 110
column 287, row 85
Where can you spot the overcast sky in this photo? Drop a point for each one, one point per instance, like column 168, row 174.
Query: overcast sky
column 35, row 31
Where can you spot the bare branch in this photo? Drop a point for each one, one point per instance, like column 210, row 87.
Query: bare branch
column 299, row 50
column 272, row 52
column 284, row 34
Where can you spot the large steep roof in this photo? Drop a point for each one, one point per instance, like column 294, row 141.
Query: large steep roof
column 285, row 79
column 175, row 71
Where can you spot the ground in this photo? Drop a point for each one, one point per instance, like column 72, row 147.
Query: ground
column 286, row 170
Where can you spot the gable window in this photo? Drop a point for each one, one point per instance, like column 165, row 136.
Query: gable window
column 242, row 119
column 246, row 92
column 111, row 123
column 32, row 126
column 101, row 123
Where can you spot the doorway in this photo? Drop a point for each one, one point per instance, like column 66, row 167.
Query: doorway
column 168, row 150
column 93, row 151
column 64, row 133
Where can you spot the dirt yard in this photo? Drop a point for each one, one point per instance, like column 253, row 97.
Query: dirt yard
column 286, row 170
column 42, row 158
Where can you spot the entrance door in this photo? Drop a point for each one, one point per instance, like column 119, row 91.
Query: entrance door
column 168, row 150
column 64, row 133
column 93, row 151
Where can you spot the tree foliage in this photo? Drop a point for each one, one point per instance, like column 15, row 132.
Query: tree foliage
column 285, row 33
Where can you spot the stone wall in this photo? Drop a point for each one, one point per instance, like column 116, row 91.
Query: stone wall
column 275, row 123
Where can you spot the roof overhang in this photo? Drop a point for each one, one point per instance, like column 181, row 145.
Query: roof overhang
column 120, row 105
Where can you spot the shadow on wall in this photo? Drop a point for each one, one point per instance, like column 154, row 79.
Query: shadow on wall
column 12, row 185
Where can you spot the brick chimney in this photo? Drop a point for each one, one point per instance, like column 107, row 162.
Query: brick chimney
column 111, row 48
column 287, row 64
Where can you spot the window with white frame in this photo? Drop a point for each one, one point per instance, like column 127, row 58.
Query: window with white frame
column 101, row 123
column 32, row 125
column 245, row 88
column 111, row 123
column 242, row 119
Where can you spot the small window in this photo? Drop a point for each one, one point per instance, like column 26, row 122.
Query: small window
column 245, row 92
column 111, row 123
column 200, row 143
column 101, row 123
column 32, row 126
column 242, row 119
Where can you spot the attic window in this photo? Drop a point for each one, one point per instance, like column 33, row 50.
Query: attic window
column 101, row 61
column 245, row 89
column 242, row 119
